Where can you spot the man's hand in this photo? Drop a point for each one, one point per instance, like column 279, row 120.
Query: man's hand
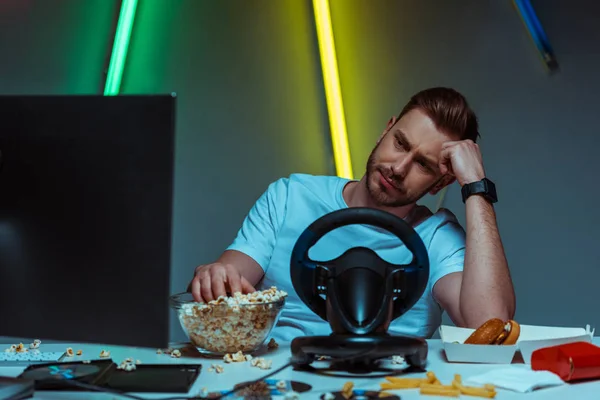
column 217, row 279
column 462, row 159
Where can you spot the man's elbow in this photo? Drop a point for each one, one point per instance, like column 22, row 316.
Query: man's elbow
column 474, row 317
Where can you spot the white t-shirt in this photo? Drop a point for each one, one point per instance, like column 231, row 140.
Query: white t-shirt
column 289, row 205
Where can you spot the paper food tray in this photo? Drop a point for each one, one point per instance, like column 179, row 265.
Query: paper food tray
column 531, row 338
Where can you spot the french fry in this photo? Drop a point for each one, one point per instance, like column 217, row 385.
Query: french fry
column 433, row 386
column 484, row 392
column 407, row 383
column 438, row 390
column 393, row 379
column 431, row 378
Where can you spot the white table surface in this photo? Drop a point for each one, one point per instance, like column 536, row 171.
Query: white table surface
column 239, row 372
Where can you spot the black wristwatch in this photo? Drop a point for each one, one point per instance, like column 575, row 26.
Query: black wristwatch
column 484, row 187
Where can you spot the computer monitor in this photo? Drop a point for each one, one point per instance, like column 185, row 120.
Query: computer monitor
column 86, row 193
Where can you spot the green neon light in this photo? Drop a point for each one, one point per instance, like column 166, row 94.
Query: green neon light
column 120, row 46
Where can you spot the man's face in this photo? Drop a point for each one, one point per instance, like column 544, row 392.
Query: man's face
column 403, row 167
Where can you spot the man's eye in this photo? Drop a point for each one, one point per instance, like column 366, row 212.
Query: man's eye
column 424, row 165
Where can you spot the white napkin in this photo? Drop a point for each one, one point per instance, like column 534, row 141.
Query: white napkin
column 516, row 378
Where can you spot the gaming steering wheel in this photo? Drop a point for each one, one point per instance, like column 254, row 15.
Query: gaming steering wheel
column 363, row 293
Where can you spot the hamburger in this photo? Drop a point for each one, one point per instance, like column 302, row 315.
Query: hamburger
column 496, row 331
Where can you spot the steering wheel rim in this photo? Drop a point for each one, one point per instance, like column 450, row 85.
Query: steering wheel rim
column 303, row 269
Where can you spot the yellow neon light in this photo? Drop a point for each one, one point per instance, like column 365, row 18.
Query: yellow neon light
column 333, row 94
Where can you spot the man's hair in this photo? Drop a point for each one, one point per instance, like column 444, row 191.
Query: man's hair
column 448, row 110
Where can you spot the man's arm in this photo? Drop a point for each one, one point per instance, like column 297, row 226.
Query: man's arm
column 484, row 289
column 243, row 264
column 246, row 265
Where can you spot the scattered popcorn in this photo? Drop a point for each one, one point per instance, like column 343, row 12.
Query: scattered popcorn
column 70, row 352
column 86, row 361
column 328, row 396
column 175, row 353
column 216, row 368
column 272, row 345
column 127, row 365
column 20, row 348
column 397, row 360
column 261, row 363
column 237, row 357
column 291, row 396
column 36, row 344
column 248, row 357
column 281, row 385
column 138, row 362
column 159, row 351
column 231, row 324
column 104, row 354
column 79, row 352
column 347, row 391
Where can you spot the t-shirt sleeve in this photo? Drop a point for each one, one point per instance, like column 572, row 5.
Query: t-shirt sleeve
column 447, row 251
column 258, row 234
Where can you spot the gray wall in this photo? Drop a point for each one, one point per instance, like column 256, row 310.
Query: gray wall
column 251, row 109
column 539, row 132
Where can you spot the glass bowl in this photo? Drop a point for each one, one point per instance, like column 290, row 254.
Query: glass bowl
column 226, row 327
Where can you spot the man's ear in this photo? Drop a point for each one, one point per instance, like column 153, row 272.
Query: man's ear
column 390, row 123
column 445, row 181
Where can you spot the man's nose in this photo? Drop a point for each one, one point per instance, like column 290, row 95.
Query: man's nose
column 401, row 167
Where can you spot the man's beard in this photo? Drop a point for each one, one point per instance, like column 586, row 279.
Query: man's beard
column 383, row 198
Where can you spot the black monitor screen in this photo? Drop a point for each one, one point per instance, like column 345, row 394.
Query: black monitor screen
column 86, row 187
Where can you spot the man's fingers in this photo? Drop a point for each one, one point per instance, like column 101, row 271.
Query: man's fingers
column 247, row 286
column 206, row 288
column 195, row 289
column 445, row 161
column 218, row 284
column 445, row 145
column 233, row 280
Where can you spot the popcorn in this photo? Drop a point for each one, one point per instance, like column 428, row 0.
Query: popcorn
column 272, row 345
column 104, row 354
column 347, row 391
column 261, row 363
column 397, row 360
column 204, row 392
column 70, row 352
column 291, row 396
column 216, row 368
column 231, row 324
column 281, row 385
column 127, row 365
column 329, row 396
column 86, row 361
column 175, row 353
column 237, row 357
column 36, row 344
column 159, row 351
column 79, row 352
column 20, row 348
